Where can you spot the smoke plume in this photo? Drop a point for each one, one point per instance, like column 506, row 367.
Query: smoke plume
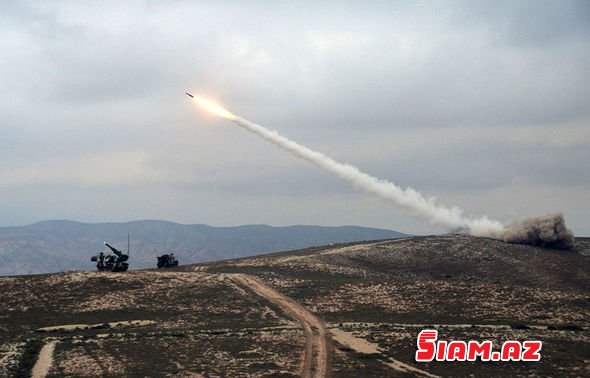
column 450, row 219
column 545, row 231
column 548, row 231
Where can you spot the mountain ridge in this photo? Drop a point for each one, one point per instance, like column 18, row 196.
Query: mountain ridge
column 62, row 245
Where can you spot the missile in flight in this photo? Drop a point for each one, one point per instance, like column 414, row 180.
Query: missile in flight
column 549, row 230
column 450, row 218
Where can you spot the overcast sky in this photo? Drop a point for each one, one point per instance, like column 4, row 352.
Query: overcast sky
column 485, row 105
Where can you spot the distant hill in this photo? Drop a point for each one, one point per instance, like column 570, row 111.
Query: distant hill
column 54, row 246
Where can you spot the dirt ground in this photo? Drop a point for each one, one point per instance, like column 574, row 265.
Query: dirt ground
column 339, row 311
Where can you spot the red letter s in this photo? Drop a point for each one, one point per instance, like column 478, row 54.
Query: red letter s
column 426, row 345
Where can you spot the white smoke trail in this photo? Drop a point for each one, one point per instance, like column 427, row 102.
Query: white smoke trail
column 451, row 219
column 548, row 231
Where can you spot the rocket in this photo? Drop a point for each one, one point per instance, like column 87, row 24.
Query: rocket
column 190, row 95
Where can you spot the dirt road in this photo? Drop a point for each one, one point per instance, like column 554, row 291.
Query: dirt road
column 317, row 346
column 44, row 361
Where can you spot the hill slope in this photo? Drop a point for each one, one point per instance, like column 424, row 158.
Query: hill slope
column 54, row 246
column 343, row 310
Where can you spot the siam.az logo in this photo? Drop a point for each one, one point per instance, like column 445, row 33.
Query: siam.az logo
column 430, row 349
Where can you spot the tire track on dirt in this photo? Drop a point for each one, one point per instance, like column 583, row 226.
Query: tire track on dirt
column 317, row 345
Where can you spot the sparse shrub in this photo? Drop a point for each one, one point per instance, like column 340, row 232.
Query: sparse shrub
column 263, row 365
column 29, row 358
column 519, row 326
column 569, row 327
column 369, row 356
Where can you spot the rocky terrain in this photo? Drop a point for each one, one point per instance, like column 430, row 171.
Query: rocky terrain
column 339, row 311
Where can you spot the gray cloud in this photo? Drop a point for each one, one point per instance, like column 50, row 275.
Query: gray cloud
column 457, row 99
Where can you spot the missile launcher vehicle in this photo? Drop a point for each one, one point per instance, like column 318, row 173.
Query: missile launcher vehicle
column 111, row 263
column 167, row 261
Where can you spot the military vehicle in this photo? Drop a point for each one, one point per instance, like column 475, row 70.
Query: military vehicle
column 111, row 263
column 167, row 261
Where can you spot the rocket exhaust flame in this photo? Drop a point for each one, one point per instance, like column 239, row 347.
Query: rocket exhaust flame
column 451, row 219
column 213, row 107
